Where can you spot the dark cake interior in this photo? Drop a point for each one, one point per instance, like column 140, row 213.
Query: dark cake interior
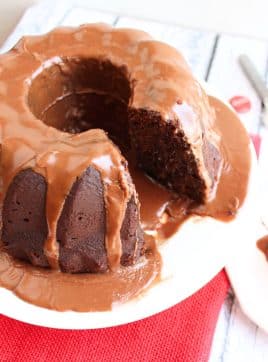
column 78, row 94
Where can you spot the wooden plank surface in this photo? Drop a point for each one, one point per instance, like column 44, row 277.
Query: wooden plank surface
column 45, row 16
column 227, row 77
column 245, row 341
column 219, row 340
column 236, row 338
column 196, row 46
column 80, row 15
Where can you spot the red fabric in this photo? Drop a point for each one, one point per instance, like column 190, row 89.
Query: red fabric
column 256, row 139
column 182, row 333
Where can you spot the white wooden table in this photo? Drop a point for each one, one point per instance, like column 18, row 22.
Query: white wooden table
column 212, row 57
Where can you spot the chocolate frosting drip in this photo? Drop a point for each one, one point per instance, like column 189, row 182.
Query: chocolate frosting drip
column 64, row 164
column 262, row 244
column 61, row 161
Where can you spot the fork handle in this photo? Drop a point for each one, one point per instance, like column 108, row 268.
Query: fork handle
column 254, row 77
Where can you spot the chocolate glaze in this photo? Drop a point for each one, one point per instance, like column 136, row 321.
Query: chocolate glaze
column 79, row 292
column 236, row 156
column 162, row 212
column 262, row 244
column 61, row 162
column 161, row 215
column 149, row 82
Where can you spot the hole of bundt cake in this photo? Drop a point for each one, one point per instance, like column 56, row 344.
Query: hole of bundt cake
column 75, row 95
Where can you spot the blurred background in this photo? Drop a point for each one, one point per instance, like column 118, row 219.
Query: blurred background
column 246, row 17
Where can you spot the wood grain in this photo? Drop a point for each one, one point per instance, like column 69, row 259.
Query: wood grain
column 196, row 46
column 228, row 78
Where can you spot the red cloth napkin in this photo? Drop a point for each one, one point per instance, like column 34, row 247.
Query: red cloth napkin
column 256, row 139
column 182, row 333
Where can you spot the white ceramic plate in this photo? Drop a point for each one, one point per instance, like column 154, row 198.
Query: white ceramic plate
column 191, row 258
column 248, row 273
column 249, row 278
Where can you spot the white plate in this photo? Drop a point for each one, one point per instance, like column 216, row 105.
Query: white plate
column 248, row 273
column 191, row 258
column 249, row 278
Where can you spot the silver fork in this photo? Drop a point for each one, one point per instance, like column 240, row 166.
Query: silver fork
column 257, row 82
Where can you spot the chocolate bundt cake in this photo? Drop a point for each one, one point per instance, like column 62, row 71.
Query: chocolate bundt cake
column 68, row 199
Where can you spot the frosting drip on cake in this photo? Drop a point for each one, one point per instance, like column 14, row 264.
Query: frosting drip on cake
column 61, row 162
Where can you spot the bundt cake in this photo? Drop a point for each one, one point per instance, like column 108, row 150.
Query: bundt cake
column 68, row 199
